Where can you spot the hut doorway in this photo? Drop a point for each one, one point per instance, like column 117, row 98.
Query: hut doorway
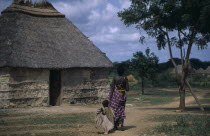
column 55, row 87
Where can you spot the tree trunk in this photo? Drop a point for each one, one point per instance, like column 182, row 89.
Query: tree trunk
column 142, row 86
column 185, row 63
column 182, row 98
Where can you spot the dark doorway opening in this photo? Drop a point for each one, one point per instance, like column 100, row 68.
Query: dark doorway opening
column 55, row 88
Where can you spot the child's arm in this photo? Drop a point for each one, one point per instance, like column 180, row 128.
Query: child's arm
column 112, row 112
column 103, row 111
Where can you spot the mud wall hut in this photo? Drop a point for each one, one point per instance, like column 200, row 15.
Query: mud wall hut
column 46, row 60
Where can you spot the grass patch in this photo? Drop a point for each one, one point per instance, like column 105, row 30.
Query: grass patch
column 54, row 119
column 13, row 114
column 3, row 114
column 51, row 134
column 157, row 96
column 205, row 101
column 11, row 125
column 176, row 125
column 207, row 95
column 58, row 134
column 134, row 87
column 153, row 96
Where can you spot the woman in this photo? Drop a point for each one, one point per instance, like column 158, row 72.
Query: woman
column 117, row 97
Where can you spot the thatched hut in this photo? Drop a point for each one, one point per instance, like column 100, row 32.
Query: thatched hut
column 200, row 71
column 191, row 70
column 207, row 71
column 46, row 60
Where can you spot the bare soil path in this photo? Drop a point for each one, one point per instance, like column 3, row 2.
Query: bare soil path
column 138, row 119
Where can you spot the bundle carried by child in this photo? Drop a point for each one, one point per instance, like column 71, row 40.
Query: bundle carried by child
column 105, row 117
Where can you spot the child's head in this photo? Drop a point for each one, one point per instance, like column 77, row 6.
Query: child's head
column 105, row 103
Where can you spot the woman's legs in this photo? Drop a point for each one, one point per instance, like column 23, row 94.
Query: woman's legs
column 122, row 125
column 116, row 124
column 119, row 122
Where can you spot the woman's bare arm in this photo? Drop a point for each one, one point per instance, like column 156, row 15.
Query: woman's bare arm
column 127, row 84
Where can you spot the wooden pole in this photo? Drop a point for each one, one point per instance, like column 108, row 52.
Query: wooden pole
column 193, row 94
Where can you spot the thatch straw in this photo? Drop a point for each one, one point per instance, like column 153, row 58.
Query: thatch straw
column 200, row 71
column 38, row 4
column 207, row 71
column 41, row 8
column 43, row 38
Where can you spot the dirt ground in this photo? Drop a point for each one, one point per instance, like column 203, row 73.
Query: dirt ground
column 138, row 118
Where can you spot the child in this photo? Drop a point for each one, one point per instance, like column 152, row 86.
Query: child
column 105, row 117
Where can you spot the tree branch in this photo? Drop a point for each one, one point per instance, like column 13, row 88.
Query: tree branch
column 163, row 31
column 186, row 63
column 181, row 53
column 170, row 52
column 185, row 35
column 190, row 46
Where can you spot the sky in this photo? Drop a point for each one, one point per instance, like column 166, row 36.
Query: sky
column 98, row 20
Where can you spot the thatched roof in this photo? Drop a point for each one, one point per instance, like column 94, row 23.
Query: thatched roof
column 43, row 38
column 207, row 71
column 44, row 9
column 200, row 71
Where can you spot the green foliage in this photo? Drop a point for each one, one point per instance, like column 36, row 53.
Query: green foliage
column 165, row 79
column 166, row 65
column 164, row 76
column 196, row 64
column 192, row 125
column 144, row 65
column 141, row 66
column 199, row 80
column 159, row 17
column 124, row 64
column 205, row 18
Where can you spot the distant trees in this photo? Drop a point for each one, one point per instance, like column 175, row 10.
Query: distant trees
column 141, row 65
column 196, row 64
column 144, row 65
column 164, row 76
column 175, row 23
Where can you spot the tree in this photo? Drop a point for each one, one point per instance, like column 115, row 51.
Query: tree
column 166, row 65
column 144, row 65
column 179, row 23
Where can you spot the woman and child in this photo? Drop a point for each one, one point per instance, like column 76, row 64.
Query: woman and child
column 114, row 106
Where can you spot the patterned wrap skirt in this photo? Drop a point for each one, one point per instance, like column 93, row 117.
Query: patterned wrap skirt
column 117, row 102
